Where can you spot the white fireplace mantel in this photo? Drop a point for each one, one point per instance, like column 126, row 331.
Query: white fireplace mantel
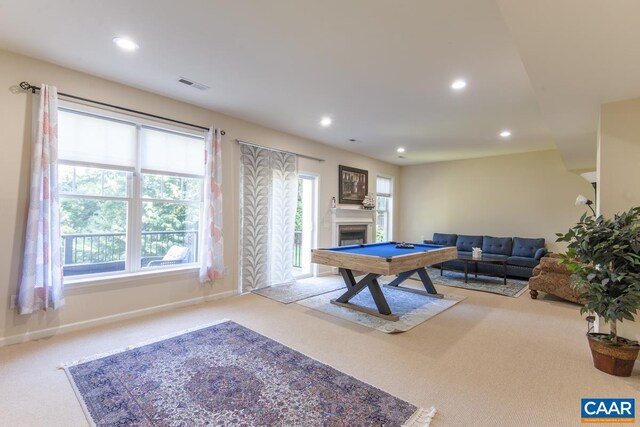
column 353, row 216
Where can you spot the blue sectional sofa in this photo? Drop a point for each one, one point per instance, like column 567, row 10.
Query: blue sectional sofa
column 522, row 254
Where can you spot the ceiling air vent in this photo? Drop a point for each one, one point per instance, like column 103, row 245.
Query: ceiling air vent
column 191, row 83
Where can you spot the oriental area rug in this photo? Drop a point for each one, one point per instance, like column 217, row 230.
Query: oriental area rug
column 228, row 375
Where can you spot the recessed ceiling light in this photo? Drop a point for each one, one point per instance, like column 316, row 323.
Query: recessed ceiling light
column 400, row 150
column 458, row 84
column 352, row 140
column 125, row 43
column 326, row 121
column 505, row 133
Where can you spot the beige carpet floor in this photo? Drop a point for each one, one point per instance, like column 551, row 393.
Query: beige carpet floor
column 488, row 361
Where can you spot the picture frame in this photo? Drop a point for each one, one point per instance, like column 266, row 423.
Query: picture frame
column 353, row 185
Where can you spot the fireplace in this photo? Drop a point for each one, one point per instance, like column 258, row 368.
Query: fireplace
column 352, row 226
column 352, row 235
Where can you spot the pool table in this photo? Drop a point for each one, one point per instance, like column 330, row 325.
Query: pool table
column 382, row 259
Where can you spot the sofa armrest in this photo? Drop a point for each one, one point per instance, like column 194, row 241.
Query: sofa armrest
column 540, row 253
column 428, row 242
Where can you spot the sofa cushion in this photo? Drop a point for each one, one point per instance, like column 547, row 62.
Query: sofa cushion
column 526, row 247
column 467, row 243
column 444, row 239
column 497, row 245
column 522, row 261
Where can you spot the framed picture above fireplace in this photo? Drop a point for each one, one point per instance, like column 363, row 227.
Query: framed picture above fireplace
column 353, row 185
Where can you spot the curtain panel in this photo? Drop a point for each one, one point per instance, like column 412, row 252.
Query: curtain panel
column 268, row 190
column 41, row 285
column 212, row 259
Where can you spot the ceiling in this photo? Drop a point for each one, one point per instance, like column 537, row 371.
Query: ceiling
column 579, row 54
column 380, row 69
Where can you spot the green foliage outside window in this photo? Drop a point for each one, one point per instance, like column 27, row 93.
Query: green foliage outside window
column 94, row 215
column 298, row 222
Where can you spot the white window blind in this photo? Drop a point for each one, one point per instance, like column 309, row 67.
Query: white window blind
column 171, row 152
column 383, row 186
column 96, row 140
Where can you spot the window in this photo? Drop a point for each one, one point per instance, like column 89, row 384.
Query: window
column 384, row 206
column 130, row 194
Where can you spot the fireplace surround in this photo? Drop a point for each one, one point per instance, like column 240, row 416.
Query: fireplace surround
column 352, row 226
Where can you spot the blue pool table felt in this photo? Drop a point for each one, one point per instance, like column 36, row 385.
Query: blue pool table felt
column 384, row 249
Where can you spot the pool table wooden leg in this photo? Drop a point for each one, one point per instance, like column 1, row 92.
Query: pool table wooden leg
column 353, row 289
column 378, row 297
column 424, row 278
column 347, row 276
column 401, row 278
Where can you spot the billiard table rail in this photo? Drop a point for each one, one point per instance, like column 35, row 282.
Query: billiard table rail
column 382, row 265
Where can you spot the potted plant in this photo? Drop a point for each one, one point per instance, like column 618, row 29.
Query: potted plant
column 604, row 256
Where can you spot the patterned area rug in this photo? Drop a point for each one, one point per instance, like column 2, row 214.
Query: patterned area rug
column 495, row 285
column 228, row 375
column 413, row 309
column 299, row 290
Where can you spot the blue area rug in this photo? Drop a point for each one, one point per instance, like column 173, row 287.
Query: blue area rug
column 495, row 285
column 413, row 309
column 299, row 290
column 228, row 375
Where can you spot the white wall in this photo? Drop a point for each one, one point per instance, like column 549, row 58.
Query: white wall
column 116, row 298
column 619, row 157
column 524, row 195
column 619, row 169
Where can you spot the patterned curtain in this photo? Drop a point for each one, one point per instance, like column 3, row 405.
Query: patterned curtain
column 41, row 286
column 268, row 190
column 212, row 259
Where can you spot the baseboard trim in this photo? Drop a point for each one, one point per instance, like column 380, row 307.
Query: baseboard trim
column 84, row 324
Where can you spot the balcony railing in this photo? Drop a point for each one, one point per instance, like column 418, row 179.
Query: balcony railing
column 297, row 249
column 102, row 252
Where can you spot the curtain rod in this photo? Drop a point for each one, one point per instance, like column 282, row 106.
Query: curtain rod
column 27, row 86
column 304, row 156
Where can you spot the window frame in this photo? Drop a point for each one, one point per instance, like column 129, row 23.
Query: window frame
column 128, row 199
column 389, row 210
column 134, row 198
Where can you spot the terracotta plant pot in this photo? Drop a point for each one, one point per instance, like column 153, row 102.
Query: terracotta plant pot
column 615, row 360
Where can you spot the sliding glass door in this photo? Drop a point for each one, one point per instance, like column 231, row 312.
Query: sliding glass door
column 305, row 225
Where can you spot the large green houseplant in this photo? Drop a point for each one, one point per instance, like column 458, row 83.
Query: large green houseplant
column 604, row 255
